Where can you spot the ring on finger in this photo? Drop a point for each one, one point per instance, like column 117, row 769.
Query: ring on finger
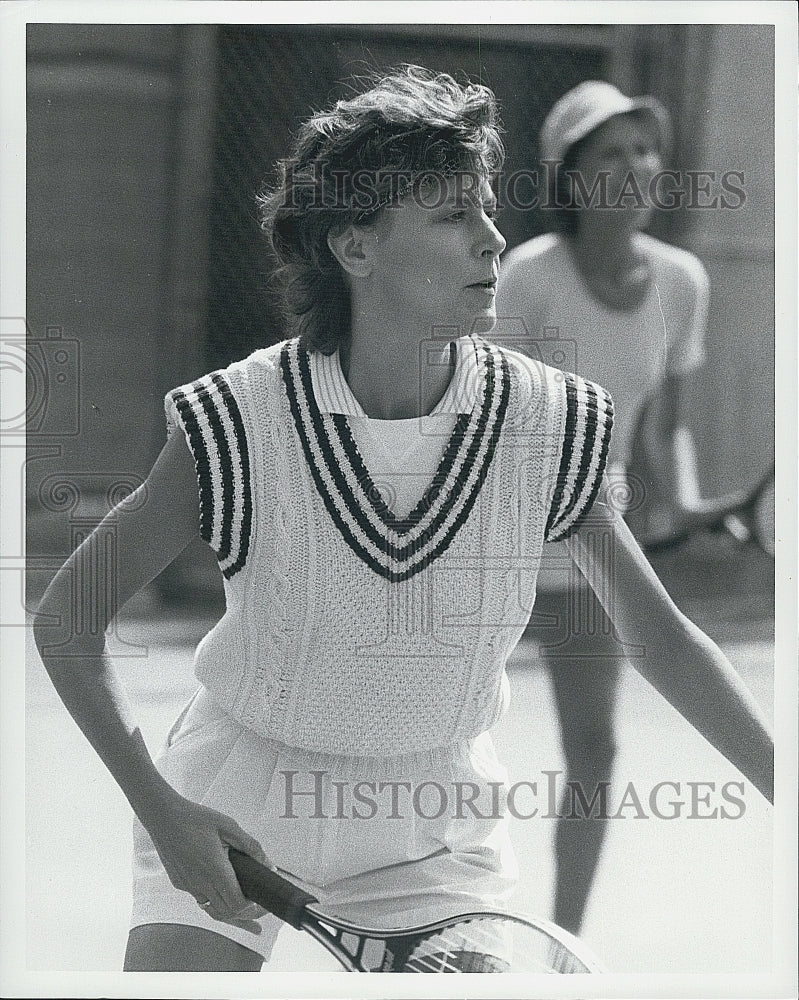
column 205, row 905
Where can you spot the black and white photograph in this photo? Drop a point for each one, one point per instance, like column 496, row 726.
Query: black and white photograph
column 398, row 449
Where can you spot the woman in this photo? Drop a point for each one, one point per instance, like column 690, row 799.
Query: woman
column 630, row 311
column 351, row 480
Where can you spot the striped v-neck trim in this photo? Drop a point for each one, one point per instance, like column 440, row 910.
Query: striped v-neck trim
column 398, row 548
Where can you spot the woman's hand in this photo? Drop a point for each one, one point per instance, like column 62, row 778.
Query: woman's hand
column 192, row 841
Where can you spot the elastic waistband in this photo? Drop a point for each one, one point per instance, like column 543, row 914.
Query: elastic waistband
column 433, row 758
column 419, row 761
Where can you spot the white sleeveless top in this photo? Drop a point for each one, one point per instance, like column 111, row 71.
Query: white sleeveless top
column 354, row 624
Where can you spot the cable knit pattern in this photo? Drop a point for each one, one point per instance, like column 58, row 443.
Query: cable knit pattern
column 348, row 629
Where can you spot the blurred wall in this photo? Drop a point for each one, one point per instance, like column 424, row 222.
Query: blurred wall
column 733, row 403
column 117, row 119
column 146, row 145
column 101, row 139
column 717, row 82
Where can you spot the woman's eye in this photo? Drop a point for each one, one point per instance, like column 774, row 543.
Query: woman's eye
column 462, row 214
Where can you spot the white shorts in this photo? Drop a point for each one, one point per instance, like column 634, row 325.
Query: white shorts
column 388, row 842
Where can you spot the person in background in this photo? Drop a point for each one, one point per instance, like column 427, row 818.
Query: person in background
column 629, row 311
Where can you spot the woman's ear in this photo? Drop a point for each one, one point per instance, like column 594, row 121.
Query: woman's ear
column 351, row 247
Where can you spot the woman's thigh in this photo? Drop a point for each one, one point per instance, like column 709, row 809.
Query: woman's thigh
column 180, row 948
column 585, row 692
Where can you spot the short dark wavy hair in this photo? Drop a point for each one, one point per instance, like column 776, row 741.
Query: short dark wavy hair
column 348, row 163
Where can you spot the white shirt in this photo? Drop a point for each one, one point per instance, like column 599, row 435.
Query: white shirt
column 545, row 310
column 401, row 455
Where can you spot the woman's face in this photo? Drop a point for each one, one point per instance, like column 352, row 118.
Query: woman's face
column 436, row 256
column 624, row 148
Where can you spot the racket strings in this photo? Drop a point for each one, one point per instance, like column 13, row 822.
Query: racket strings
column 468, row 946
column 492, row 945
column 458, row 961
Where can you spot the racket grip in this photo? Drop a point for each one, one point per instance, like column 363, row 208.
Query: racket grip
column 264, row 886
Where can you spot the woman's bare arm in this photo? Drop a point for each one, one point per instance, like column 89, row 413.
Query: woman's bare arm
column 679, row 660
column 149, row 530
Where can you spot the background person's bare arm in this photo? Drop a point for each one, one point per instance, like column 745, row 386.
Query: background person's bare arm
column 679, row 660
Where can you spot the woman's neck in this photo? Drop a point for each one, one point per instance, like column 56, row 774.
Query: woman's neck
column 395, row 376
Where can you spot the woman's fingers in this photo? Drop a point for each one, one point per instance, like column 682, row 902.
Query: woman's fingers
column 233, row 835
column 245, row 919
column 195, row 855
column 224, row 899
column 233, row 900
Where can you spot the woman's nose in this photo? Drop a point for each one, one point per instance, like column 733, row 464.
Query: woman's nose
column 493, row 241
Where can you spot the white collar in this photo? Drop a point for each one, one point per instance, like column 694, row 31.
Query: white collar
column 333, row 394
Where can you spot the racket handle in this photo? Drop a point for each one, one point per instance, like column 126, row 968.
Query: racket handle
column 264, row 886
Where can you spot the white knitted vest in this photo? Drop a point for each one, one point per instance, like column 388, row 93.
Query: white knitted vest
column 349, row 630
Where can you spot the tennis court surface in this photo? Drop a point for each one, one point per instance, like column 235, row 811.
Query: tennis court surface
column 687, row 894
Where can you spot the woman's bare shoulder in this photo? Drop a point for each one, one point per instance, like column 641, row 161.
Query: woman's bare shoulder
column 168, row 500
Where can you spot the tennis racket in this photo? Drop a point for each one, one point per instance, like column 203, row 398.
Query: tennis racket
column 747, row 516
column 467, row 942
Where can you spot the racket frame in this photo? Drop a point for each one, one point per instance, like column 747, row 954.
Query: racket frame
column 738, row 518
column 277, row 893
column 317, row 924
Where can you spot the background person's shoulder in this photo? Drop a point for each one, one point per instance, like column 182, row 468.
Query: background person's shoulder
column 679, row 264
column 538, row 251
